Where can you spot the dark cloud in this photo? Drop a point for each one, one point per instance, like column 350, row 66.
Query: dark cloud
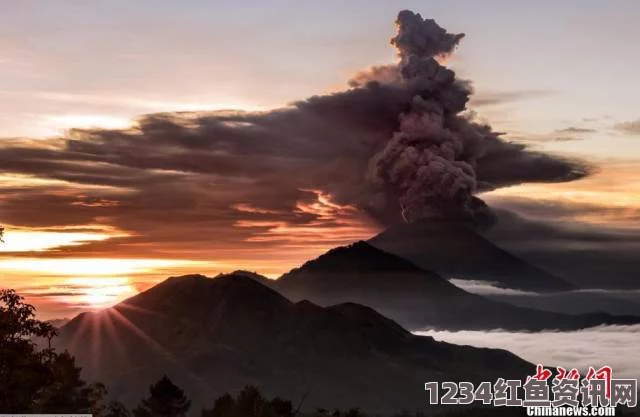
column 629, row 128
column 505, row 164
column 396, row 140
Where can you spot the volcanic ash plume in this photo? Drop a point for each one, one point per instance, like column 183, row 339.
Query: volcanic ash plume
column 422, row 38
column 430, row 162
column 396, row 144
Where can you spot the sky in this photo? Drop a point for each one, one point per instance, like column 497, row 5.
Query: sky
column 558, row 77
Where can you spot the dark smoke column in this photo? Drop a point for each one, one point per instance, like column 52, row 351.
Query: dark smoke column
column 430, row 162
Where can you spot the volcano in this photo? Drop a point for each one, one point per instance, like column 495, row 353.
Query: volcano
column 414, row 297
column 455, row 249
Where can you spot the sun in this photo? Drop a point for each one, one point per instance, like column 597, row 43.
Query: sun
column 102, row 292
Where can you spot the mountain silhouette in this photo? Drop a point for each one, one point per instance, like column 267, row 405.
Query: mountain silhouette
column 455, row 249
column 213, row 335
column 414, row 297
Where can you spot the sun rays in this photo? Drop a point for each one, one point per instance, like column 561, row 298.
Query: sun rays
column 106, row 331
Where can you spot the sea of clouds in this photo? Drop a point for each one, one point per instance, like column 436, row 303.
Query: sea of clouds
column 616, row 346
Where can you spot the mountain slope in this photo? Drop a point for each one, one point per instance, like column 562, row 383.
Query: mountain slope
column 217, row 335
column 414, row 297
column 456, row 249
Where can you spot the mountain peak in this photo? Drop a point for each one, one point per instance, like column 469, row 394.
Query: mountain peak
column 457, row 249
column 356, row 270
column 250, row 274
column 200, row 296
column 359, row 256
column 418, row 298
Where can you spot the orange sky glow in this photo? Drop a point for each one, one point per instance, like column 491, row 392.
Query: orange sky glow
column 63, row 284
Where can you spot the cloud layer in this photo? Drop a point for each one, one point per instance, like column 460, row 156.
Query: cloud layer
column 615, row 346
column 334, row 166
column 582, row 301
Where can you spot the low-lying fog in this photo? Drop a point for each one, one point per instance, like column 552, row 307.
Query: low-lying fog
column 616, row 346
column 572, row 302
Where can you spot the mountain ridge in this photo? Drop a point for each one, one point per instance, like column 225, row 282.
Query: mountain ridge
column 346, row 355
column 414, row 297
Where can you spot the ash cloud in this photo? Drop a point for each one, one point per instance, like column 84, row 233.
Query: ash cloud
column 433, row 159
column 422, row 37
column 396, row 144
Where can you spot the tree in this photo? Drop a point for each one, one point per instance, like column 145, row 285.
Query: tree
column 165, row 400
column 23, row 369
column 354, row 412
column 116, row 409
column 33, row 379
column 282, row 408
column 223, row 407
column 67, row 392
column 249, row 403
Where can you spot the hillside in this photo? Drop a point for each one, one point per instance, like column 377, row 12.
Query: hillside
column 217, row 335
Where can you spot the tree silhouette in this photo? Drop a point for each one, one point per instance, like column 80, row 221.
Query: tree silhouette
column 66, row 392
column 223, row 407
column 249, row 403
column 165, row 400
column 282, row 408
column 116, row 409
column 38, row 380
column 354, row 412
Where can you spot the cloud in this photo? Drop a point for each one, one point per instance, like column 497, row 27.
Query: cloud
column 629, row 128
column 567, row 134
column 487, row 288
column 616, row 302
column 482, row 98
column 580, row 301
column 573, row 129
column 342, row 164
column 609, row 197
column 615, row 346
column 565, row 139
column 547, row 208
